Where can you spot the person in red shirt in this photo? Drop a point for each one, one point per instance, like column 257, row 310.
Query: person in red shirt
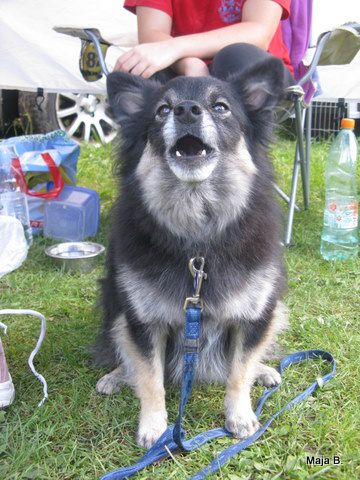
column 202, row 37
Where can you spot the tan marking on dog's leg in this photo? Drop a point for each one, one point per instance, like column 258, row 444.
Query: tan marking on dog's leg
column 150, row 390
column 110, row 383
column 240, row 418
column 263, row 374
column 147, row 378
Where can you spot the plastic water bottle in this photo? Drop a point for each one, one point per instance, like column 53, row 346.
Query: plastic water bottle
column 339, row 240
column 13, row 202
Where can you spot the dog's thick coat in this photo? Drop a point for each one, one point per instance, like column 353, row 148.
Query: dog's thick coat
column 195, row 181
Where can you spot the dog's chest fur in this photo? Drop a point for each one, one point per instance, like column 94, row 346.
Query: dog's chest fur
column 227, row 298
column 196, row 211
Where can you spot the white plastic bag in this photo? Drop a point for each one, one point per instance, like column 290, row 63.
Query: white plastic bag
column 13, row 246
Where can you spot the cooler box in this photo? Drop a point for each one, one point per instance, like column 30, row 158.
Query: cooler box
column 74, row 215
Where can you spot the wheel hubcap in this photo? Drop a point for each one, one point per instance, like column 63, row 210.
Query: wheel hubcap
column 83, row 117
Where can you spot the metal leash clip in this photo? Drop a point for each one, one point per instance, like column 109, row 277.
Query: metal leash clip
column 199, row 275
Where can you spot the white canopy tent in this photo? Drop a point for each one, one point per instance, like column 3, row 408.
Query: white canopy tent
column 33, row 55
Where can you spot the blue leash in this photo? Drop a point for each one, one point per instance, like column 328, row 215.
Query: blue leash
column 174, row 436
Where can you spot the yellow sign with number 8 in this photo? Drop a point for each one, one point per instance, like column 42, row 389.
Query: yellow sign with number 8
column 89, row 61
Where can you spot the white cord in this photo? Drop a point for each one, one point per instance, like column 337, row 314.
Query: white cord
column 33, row 313
column 2, row 325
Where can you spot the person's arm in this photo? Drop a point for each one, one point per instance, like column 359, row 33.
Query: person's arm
column 158, row 50
column 260, row 19
column 154, row 27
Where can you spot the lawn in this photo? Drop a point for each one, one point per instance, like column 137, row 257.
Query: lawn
column 80, row 435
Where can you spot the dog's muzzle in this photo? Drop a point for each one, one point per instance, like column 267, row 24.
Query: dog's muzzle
column 191, row 160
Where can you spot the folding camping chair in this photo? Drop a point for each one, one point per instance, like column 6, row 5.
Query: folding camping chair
column 336, row 47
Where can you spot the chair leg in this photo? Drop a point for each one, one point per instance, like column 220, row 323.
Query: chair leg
column 283, row 195
column 300, row 122
column 291, row 210
column 308, row 121
column 301, row 164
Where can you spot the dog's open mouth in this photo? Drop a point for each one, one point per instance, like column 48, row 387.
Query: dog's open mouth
column 192, row 160
column 190, row 146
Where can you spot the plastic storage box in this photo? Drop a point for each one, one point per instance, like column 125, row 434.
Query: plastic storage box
column 74, row 215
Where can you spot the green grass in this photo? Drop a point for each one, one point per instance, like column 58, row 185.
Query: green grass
column 81, row 435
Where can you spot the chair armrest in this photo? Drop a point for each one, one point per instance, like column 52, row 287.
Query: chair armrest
column 315, row 61
column 336, row 47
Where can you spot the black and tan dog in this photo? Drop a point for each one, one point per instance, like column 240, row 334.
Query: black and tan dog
column 195, row 181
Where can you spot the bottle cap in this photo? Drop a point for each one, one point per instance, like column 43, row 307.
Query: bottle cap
column 347, row 123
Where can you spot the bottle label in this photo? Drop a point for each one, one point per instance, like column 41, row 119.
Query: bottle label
column 341, row 215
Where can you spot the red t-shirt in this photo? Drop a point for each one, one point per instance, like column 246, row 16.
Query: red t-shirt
column 197, row 16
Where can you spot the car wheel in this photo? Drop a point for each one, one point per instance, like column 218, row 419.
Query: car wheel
column 81, row 116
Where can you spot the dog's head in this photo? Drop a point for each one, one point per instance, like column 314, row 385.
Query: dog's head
column 197, row 145
column 192, row 124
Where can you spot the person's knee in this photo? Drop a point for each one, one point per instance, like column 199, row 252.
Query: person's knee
column 246, row 51
column 235, row 58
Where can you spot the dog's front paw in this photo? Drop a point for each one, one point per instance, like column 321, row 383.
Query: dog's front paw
column 267, row 376
column 108, row 384
column 242, row 425
column 150, row 429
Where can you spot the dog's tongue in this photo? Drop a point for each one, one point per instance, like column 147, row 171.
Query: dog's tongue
column 190, row 146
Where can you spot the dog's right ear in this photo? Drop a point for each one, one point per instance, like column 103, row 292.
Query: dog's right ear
column 127, row 94
column 261, row 85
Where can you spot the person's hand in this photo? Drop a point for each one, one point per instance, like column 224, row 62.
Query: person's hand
column 147, row 58
column 191, row 67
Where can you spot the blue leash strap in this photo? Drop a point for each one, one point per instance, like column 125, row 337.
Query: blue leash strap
column 291, row 359
column 174, row 436
column 191, row 352
column 166, row 442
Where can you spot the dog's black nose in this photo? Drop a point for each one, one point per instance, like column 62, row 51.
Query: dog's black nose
column 188, row 111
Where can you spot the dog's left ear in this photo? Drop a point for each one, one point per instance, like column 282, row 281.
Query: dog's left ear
column 127, row 94
column 262, row 85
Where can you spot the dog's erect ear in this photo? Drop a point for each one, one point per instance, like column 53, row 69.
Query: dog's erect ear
column 262, row 85
column 127, row 94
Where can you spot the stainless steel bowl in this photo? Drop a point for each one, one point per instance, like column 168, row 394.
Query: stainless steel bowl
column 75, row 256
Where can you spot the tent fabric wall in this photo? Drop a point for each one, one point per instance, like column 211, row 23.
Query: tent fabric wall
column 34, row 56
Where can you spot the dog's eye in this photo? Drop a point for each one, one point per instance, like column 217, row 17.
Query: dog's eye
column 163, row 110
column 220, row 107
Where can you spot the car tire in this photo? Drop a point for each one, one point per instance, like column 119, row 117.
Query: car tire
column 82, row 116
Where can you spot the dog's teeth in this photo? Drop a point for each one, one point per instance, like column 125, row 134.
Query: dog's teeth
column 177, row 153
column 203, row 153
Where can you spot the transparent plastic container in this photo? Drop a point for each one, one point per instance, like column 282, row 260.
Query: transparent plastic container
column 73, row 216
column 12, row 201
column 339, row 239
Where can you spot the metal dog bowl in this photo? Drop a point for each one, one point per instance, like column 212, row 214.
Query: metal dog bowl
column 75, row 256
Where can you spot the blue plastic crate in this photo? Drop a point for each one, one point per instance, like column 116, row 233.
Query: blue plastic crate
column 74, row 215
